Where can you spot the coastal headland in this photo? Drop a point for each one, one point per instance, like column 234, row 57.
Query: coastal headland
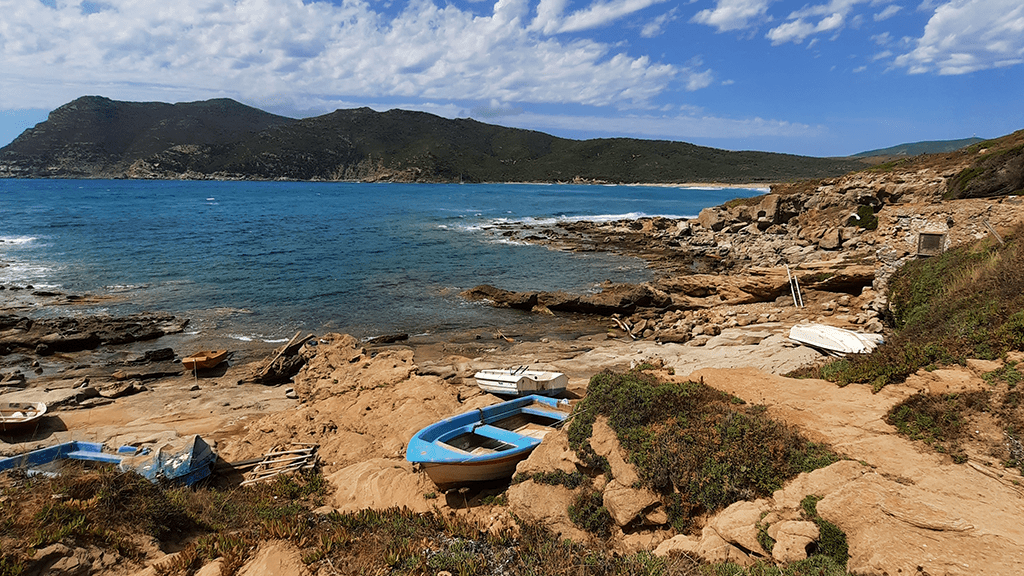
column 718, row 312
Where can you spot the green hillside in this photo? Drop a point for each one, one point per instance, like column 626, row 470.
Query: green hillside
column 95, row 137
column 915, row 148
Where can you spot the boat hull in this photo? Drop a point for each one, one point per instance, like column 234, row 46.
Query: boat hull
column 204, row 360
column 521, row 383
column 835, row 340
column 18, row 416
column 485, row 444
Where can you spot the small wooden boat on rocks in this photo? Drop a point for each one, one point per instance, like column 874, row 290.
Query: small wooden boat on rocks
column 204, row 360
column 487, row 443
column 521, row 381
column 834, row 340
column 18, row 416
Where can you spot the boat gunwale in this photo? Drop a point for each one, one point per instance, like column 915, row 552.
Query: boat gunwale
column 430, row 441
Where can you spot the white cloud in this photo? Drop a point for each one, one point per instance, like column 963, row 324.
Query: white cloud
column 890, row 11
column 859, row 69
column 811, row 20
column 965, row 36
column 698, row 80
column 685, row 126
column 656, row 27
column 603, row 13
column 550, row 19
column 793, row 31
column 288, row 52
column 733, row 14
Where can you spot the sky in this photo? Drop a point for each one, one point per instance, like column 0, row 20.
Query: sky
column 816, row 78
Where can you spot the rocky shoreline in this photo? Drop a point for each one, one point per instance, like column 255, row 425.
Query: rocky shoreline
column 718, row 310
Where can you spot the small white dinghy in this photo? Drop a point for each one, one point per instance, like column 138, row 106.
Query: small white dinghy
column 521, row 381
column 834, row 340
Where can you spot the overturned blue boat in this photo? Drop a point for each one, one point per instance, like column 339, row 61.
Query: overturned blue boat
column 487, row 443
column 185, row 463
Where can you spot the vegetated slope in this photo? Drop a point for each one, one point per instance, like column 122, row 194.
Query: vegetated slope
column 965, row 303
column 915, row 148
column 701, row 448
column 986, row 169
column 101, row 138
column 998, row 170
column 98, row 136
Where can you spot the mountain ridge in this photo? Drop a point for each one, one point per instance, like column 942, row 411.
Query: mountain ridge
column 923, row 147
column 96, row 137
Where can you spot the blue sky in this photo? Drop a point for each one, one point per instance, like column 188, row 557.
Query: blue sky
column 818, row 78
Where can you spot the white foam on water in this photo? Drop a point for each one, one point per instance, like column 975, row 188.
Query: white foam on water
column 548, row 221
column 764, row 189
column 509, row 241
column 17, row 272
column 115, row 288
column 16, row 240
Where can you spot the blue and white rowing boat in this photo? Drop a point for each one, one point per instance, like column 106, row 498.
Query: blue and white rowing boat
column 185, row 462
column 487, row 443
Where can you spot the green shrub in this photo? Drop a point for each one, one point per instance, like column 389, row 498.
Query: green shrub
column 831, row 540
column 555, row 478
column 588, row 512
column 938, row 419
column 704, row 447
column 865, row 218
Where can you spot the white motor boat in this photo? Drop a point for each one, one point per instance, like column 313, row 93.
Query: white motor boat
column 521, row 381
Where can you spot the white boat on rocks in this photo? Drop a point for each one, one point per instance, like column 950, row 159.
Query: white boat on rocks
column 834, row 340
column 521, row 381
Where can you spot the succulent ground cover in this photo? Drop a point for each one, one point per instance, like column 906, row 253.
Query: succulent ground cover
column 700, row 447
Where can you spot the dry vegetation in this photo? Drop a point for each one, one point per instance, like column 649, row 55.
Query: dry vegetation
column 710, row 446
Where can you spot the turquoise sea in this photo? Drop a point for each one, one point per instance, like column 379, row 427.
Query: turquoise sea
column 262, row 260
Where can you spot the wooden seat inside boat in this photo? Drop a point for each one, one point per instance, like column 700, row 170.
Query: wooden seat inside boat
column 477, row 444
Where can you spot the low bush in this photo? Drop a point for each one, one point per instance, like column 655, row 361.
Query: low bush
column 704, row 447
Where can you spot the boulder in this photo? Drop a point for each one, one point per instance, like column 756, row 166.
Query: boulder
column 713, row 548
column 626, row 504
column 737, row 525
column 792, row 539
column 501, row 298
column 712, row 219
column 606, row 443
column 553, row 454
column 380, row 483
column 546, row 505
column 768, row 210
column 679, row 544
column 831, row 240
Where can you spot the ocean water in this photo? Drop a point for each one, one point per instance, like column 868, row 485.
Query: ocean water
column 262, row 260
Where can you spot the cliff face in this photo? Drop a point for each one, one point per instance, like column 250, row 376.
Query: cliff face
column 95, row 137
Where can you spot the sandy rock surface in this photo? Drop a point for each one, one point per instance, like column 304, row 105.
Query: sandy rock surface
column 906, row 507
